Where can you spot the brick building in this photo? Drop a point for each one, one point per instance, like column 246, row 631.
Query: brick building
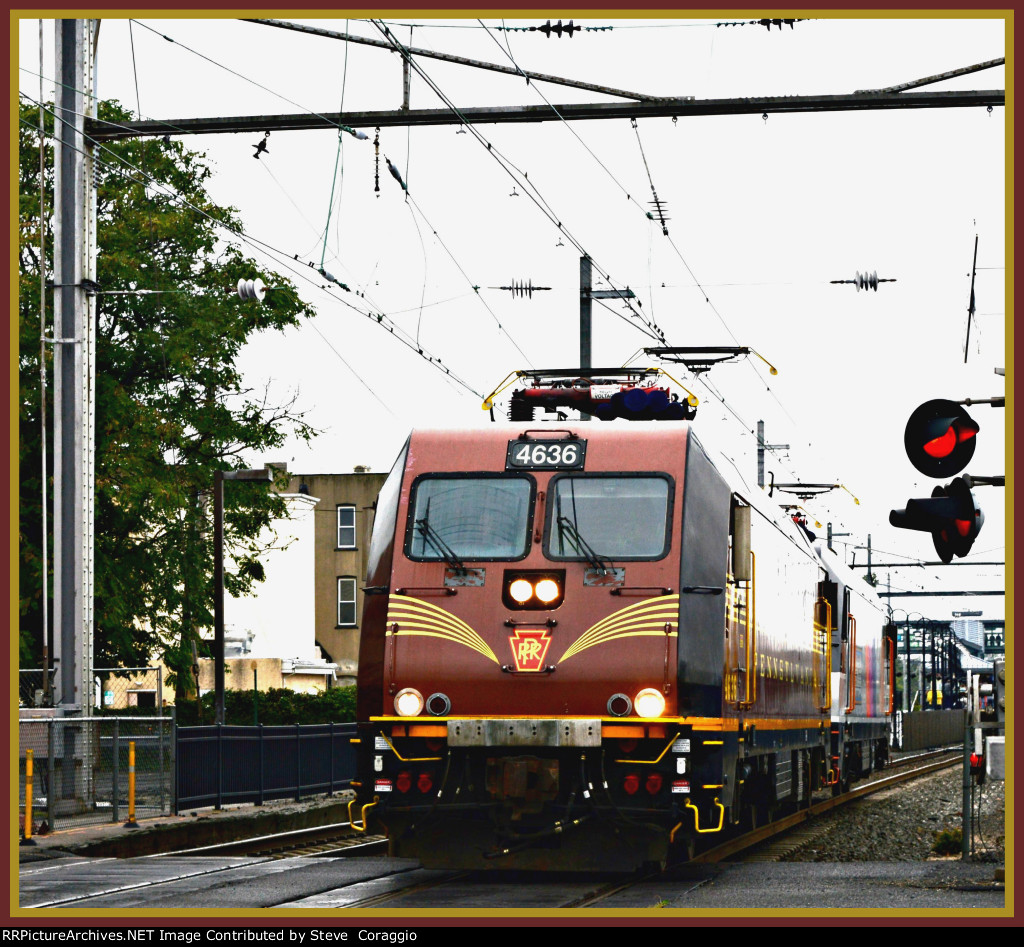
column 343, row 520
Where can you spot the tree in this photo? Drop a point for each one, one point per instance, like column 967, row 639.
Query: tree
column 170, row 403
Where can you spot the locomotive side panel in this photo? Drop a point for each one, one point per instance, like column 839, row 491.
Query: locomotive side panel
column 702, row 585
column 378, row 576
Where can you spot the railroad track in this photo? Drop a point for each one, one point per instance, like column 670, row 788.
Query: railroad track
column 408, row 886
column 338, row 837
column 318, row 840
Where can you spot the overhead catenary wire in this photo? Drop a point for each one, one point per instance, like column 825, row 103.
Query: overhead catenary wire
column 503, row 161
column 652, row 330
column 283, row 259
column 252, row 241
column 391, row 167
column 265, row 247
column 647, row 214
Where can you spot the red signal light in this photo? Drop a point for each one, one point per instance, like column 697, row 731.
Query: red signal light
column 403, row 781
column 425, row 782
column 951, row 515
column 940, row 438
column 631, row 784
column 941, row 446
column 653, row 784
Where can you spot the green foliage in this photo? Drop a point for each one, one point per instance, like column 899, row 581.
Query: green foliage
column 171, row 407
column 277, row 707
column 948, row 842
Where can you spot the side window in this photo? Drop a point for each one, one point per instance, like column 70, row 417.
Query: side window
column 346, row 526
column 346, row 601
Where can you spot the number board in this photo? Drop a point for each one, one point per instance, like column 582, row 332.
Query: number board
column 545, row 455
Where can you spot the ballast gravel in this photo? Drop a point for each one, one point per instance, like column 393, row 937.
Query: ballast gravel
column 903, row 823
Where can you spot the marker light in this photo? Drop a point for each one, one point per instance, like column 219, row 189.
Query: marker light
column 546, row 590
column 521, row 590
column 649, row 703
column 653, row 783
column 408, row 702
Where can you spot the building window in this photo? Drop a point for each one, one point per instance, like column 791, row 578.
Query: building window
column 346, row 527
column 347, row 601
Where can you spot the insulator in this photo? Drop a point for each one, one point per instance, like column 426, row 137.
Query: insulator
column 362, row 136
column 395, row 174
column 251, row 289
column 330, row 277
column 866, row 281
column 519, row 409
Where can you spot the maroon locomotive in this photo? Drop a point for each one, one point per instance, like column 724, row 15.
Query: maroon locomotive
column 588, row 646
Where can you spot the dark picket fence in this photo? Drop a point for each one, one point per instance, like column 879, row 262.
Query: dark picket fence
column 225, row 765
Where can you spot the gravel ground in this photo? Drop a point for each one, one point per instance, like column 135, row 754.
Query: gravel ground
column 900, row 824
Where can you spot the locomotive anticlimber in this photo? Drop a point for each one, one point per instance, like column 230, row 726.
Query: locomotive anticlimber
column 589, row 647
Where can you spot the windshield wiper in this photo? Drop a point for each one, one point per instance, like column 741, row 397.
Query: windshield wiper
column 566, row 527
column 430, row 536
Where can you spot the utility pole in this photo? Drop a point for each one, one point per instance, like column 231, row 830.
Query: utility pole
column 585, row 311
column 761, row 448
column 74, row 368
column 587, row 294
column 74, row 256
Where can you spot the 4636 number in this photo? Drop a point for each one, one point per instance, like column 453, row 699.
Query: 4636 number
column 550, row 455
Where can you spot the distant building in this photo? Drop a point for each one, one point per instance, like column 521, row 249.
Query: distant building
column 343, row 520
column 269, row 636
column 971, row 631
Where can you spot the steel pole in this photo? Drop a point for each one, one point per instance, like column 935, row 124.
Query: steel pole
column 218, row 597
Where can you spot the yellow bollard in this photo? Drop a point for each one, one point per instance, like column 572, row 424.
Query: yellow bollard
column 28, row 840
column 131, row 823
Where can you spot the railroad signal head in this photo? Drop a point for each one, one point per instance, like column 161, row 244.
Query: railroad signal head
column 951, row 515
column 940, row 438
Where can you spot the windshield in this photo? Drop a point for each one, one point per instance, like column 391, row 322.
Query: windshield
column 617, row 517
column 470, row 518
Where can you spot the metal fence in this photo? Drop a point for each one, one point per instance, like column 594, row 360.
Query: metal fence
column 222, row 765
column 923, row 729
column 80, row 768
column 114, row 688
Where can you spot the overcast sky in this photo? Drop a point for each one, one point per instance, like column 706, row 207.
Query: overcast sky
column 762, row 215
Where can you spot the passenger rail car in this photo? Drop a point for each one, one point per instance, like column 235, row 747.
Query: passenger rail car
column 588, row 647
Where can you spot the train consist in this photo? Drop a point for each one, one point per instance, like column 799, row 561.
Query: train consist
column 589, row 646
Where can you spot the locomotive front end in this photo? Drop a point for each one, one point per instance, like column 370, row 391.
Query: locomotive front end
column 519, row 678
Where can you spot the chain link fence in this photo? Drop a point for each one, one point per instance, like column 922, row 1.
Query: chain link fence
column 81, row 764
column 80, row 769
column 114, row 689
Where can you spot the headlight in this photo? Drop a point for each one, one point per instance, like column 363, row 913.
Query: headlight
column 408, row 702
column 521, row 590
column 528, row 589
column 546, row 590
column 649, row 703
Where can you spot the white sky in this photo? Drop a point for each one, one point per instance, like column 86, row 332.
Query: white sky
column 763, row 214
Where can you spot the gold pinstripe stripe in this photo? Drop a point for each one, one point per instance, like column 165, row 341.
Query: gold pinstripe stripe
column 424, row 619
column 642, row 619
